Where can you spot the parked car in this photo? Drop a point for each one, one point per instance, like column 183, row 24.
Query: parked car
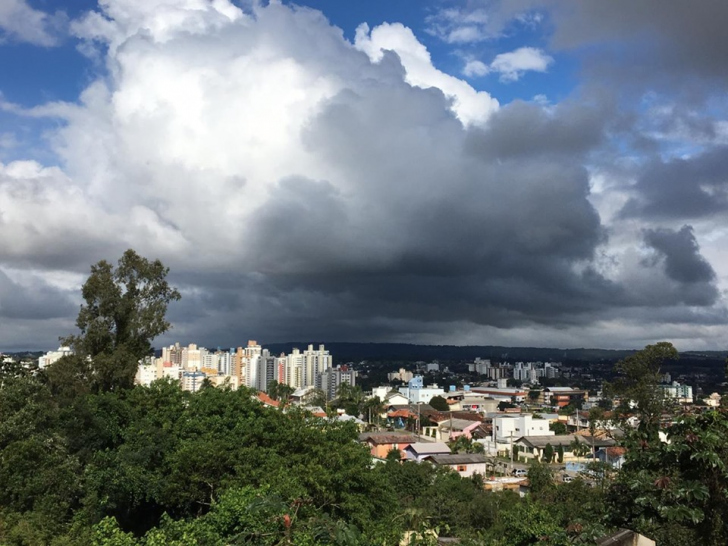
column 567, row 478
column 520, row 472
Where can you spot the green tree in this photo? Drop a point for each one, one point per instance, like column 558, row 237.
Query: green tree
column 350, row 398
column 676, row 492
column 558, row 428
column 529, row 523
column 540, row 477
column 548, row 453
column 279, row 391
column 124, row 310
column 579, row 448
column 638, row 381
column 560, row 454
column 439, row 403
column 373, row 408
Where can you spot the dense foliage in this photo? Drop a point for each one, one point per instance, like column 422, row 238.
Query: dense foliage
column 88, row 459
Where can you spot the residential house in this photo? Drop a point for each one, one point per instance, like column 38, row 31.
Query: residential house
column 532, row 447
column 562, row 396
column 473, row 403
column 464, row 464
column 420, row 450
column 381, row 443
column 507, row 427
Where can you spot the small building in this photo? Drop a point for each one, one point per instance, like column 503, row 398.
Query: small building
column 712, row 401
column 507, row 427
column 625, row 537
column 481, row 404
column 417, row 393
column 421, row 450
column 563, row 396
column 464, row 464
column 532, row 447
column 381, row 443
column 502, row 394
column 395, row 399
column 683, row 394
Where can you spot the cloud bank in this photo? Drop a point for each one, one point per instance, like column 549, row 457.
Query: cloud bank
column 304, row 187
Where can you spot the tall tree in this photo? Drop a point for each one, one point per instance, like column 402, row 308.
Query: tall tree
column 124, row 310
column 638, row 382
column 439, row 403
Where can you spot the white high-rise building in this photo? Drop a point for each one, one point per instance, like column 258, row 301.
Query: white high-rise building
column 225, row 361
column 315, row 362
column 295, row 369
column 211, row 361
column 191, row 357
column 53, row 356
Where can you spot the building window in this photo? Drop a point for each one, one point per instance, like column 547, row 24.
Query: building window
column 462, row 468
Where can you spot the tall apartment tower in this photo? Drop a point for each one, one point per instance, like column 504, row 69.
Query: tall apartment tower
column 251, row 359
column 266, row 370
column 192, row 357
column 331, row 380
column 315, row 363
column 239, row 365
column 295, row 376
column 172, row 354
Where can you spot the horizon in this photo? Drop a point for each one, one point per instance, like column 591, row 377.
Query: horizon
column 303, row 344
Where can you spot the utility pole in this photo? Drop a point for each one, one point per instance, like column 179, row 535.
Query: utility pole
column 450, row 425
column 511, row 469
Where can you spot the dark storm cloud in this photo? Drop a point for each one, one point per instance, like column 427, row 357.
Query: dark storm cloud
column 524, row 129
column 35, row 300
column 665, row 38
column 438, row 224
column 385, row 217
column 681, row 252
column 682, row 188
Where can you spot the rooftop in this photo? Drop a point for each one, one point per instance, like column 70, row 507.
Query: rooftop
column 457, row 458
column 420, row 448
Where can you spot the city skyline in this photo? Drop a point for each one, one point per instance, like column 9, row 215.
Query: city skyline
column 475, row 172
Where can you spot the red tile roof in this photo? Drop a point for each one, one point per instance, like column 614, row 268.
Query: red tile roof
column 267, row 400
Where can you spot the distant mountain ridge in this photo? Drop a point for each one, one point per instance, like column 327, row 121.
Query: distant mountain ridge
column 344, row 351
column 349, row 351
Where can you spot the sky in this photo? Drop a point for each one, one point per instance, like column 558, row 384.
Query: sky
column 471, row 172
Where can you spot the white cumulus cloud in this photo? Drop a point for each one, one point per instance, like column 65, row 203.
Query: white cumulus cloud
column 513, row 64
column 475, row 68
column 21, row 23
column 299, row 185
column 470, row 106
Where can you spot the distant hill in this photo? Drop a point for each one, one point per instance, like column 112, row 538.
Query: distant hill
column 345, row 351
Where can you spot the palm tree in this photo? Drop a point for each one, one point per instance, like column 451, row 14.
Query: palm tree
column 579, row 449
column 373, row 408
column 351, row 398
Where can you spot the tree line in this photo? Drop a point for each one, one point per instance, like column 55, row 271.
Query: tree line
column 86, row 458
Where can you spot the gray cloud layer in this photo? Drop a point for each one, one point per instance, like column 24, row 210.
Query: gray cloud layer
column 299, row 190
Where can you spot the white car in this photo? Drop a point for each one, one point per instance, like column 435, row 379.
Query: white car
column 567, row 478
column 520, row 472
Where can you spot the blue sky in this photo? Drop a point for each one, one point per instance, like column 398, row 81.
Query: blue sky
column 33, row 75
column 525, row 172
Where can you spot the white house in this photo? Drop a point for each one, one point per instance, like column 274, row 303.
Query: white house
column 514, row 426
column 419, row 451
column 416, row 393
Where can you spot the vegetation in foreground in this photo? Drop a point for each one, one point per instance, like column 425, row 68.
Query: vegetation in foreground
column 87, row 458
